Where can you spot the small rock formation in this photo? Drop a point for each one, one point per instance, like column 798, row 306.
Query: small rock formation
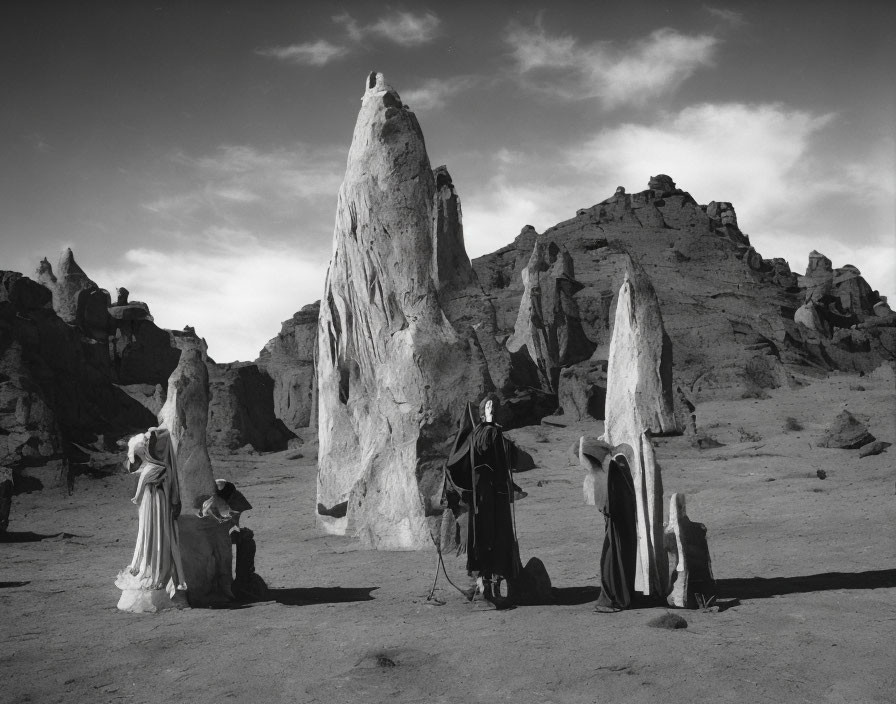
column 204, row 542
column 548, row 325
column 873, row 448
column 289, row 360
column 76, row 298
column 689, row 560
column 846, row 433
column 661, row 185
column 582, row 392
column 393, row 372
column 807, row 316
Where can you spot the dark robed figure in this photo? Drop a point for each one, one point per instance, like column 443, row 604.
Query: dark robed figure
column 620, row 549
column 482, row 494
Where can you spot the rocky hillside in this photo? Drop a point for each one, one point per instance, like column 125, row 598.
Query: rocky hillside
column 79, row 371
column 730, row 313
column 739, row 323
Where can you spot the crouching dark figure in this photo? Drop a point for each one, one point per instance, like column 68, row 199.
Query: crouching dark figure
column 247, row 585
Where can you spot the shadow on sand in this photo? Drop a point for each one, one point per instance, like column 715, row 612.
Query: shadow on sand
column 29, row 537
column 762, row 588
column 303, row 596
column 574, row 596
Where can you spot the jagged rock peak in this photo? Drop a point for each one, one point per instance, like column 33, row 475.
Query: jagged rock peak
column 391, row 369
column 67, row 264
column 662, row 185
column 818, row 263
column 44, row 273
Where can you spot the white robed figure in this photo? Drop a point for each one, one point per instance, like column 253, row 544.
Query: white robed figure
column 156, row 574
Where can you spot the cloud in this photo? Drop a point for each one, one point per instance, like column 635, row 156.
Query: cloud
column 434, row 93
column 751, row 154
column 730, row 17
column 403, row 28
column 236, row 182
column 564, row 67
column 317, row 53
column 767, row 159
column 240, row 240
column 233, row 286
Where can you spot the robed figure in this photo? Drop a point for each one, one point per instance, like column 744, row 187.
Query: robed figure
column 156, row 572
column 481, row 496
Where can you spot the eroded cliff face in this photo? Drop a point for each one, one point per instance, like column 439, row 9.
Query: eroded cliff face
column 728, row 311
column 394, row 369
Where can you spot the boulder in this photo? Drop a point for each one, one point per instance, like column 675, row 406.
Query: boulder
column 23, row 294
column 873, row 448
column 846, row 433
column 205, row 543
column 288, row 359
column 690, row 578
column 392, row 372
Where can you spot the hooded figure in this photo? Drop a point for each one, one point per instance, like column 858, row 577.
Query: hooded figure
column 156, row 563
column 481, row 494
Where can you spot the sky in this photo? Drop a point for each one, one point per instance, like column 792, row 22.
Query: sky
column 192, row 152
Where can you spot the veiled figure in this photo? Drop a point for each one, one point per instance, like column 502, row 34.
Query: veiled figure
column 481, row 495
column 156, row 564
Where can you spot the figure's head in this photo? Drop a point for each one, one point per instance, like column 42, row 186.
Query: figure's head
column 136, row 448
column 488, row 407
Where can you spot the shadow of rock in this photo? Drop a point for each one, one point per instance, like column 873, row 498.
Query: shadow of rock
column 303, row 596
column 28, row 537
column 765, row 588
column 574, row 596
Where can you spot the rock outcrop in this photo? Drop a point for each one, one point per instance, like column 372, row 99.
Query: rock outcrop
column 76, row 297
column 640, row 403
column 205, row 543
column 691, row 580
column 54, row 382
column 241, row 410
column 846, row 433
column 288, row 360
column 639, row 370
column 548, row 334
column 392, row 369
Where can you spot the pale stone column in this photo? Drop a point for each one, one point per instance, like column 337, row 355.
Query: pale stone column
column 204, row 542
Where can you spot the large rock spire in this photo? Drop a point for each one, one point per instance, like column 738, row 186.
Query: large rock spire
column 393, row 371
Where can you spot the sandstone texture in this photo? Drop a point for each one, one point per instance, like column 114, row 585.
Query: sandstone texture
column 846, row 433
column 691, row 577
column 288, row 360
column 205, row 543
column 241, row 409
column 729, row 312
column 393, row 371
column 55, row 382
column 547, row 334
column 639, row 370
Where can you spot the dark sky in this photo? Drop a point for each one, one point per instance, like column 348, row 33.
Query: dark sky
column 192, row 151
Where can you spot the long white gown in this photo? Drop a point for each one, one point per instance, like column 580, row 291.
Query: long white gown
column 156, row 563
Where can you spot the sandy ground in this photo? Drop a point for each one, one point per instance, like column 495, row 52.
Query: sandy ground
column 810, row 561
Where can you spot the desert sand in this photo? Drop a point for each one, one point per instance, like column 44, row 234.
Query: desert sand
column 805, row 610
